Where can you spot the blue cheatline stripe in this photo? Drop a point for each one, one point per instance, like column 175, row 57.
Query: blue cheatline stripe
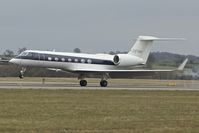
column 61, row 58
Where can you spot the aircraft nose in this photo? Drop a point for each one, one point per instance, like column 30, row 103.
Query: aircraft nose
column 14, row 61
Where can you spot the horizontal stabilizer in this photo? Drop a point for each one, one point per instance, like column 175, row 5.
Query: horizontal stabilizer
column 151, row 38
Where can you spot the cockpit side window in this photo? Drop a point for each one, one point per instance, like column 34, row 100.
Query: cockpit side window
column 29, row 55
column 24, row 54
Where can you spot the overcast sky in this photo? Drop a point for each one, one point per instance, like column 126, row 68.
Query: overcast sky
column 98, row 25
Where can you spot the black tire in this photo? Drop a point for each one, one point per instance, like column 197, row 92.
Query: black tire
column 20, row 76
column 83, row 82
column 103, row 83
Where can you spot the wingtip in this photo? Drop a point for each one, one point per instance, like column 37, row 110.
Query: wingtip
column 181, row 67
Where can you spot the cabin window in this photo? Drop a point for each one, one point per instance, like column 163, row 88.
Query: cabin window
column 56, row 59
column 62, row 59
column 49, row 58
column 83, row 61
column 89, row 61
column 69, row 59
column 76, row 60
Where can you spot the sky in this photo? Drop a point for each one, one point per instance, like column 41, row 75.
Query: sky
column 97, row 26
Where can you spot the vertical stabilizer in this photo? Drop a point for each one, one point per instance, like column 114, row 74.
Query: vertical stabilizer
column 142, row 46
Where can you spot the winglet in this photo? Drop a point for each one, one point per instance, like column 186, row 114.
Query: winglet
column 181, row 67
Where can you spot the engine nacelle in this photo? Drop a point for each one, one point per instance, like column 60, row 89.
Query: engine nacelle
column 125, row 60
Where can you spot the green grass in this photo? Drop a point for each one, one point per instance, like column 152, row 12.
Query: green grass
column 98, row 111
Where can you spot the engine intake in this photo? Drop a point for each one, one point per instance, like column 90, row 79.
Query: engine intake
column 116, row 59
column 125, row 60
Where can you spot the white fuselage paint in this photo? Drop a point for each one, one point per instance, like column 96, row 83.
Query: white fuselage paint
column 74, row 66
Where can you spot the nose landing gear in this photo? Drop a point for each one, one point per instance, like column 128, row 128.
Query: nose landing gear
column 21, row 74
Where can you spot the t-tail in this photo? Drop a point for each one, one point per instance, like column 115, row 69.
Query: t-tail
column 142, row 46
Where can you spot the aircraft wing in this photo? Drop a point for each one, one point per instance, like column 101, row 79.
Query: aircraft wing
column 123, row 73
column 131, row 73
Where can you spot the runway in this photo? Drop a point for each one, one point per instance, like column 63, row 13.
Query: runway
column 119, row 84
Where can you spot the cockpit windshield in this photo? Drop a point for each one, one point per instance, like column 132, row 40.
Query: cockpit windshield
column 25, row 54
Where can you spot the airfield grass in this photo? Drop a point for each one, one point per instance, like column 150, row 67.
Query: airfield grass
column 98, row 111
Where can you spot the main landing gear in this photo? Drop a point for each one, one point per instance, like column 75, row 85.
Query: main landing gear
column 103, row 82
column 83, row 82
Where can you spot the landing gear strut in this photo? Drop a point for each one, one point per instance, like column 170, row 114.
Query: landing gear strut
column 21, row 74
column 83, row 82
column 104, row 82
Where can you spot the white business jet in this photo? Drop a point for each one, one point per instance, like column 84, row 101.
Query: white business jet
column 86, row 65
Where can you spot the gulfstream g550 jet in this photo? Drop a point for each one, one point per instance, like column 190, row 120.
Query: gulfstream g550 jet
column 86, row 65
